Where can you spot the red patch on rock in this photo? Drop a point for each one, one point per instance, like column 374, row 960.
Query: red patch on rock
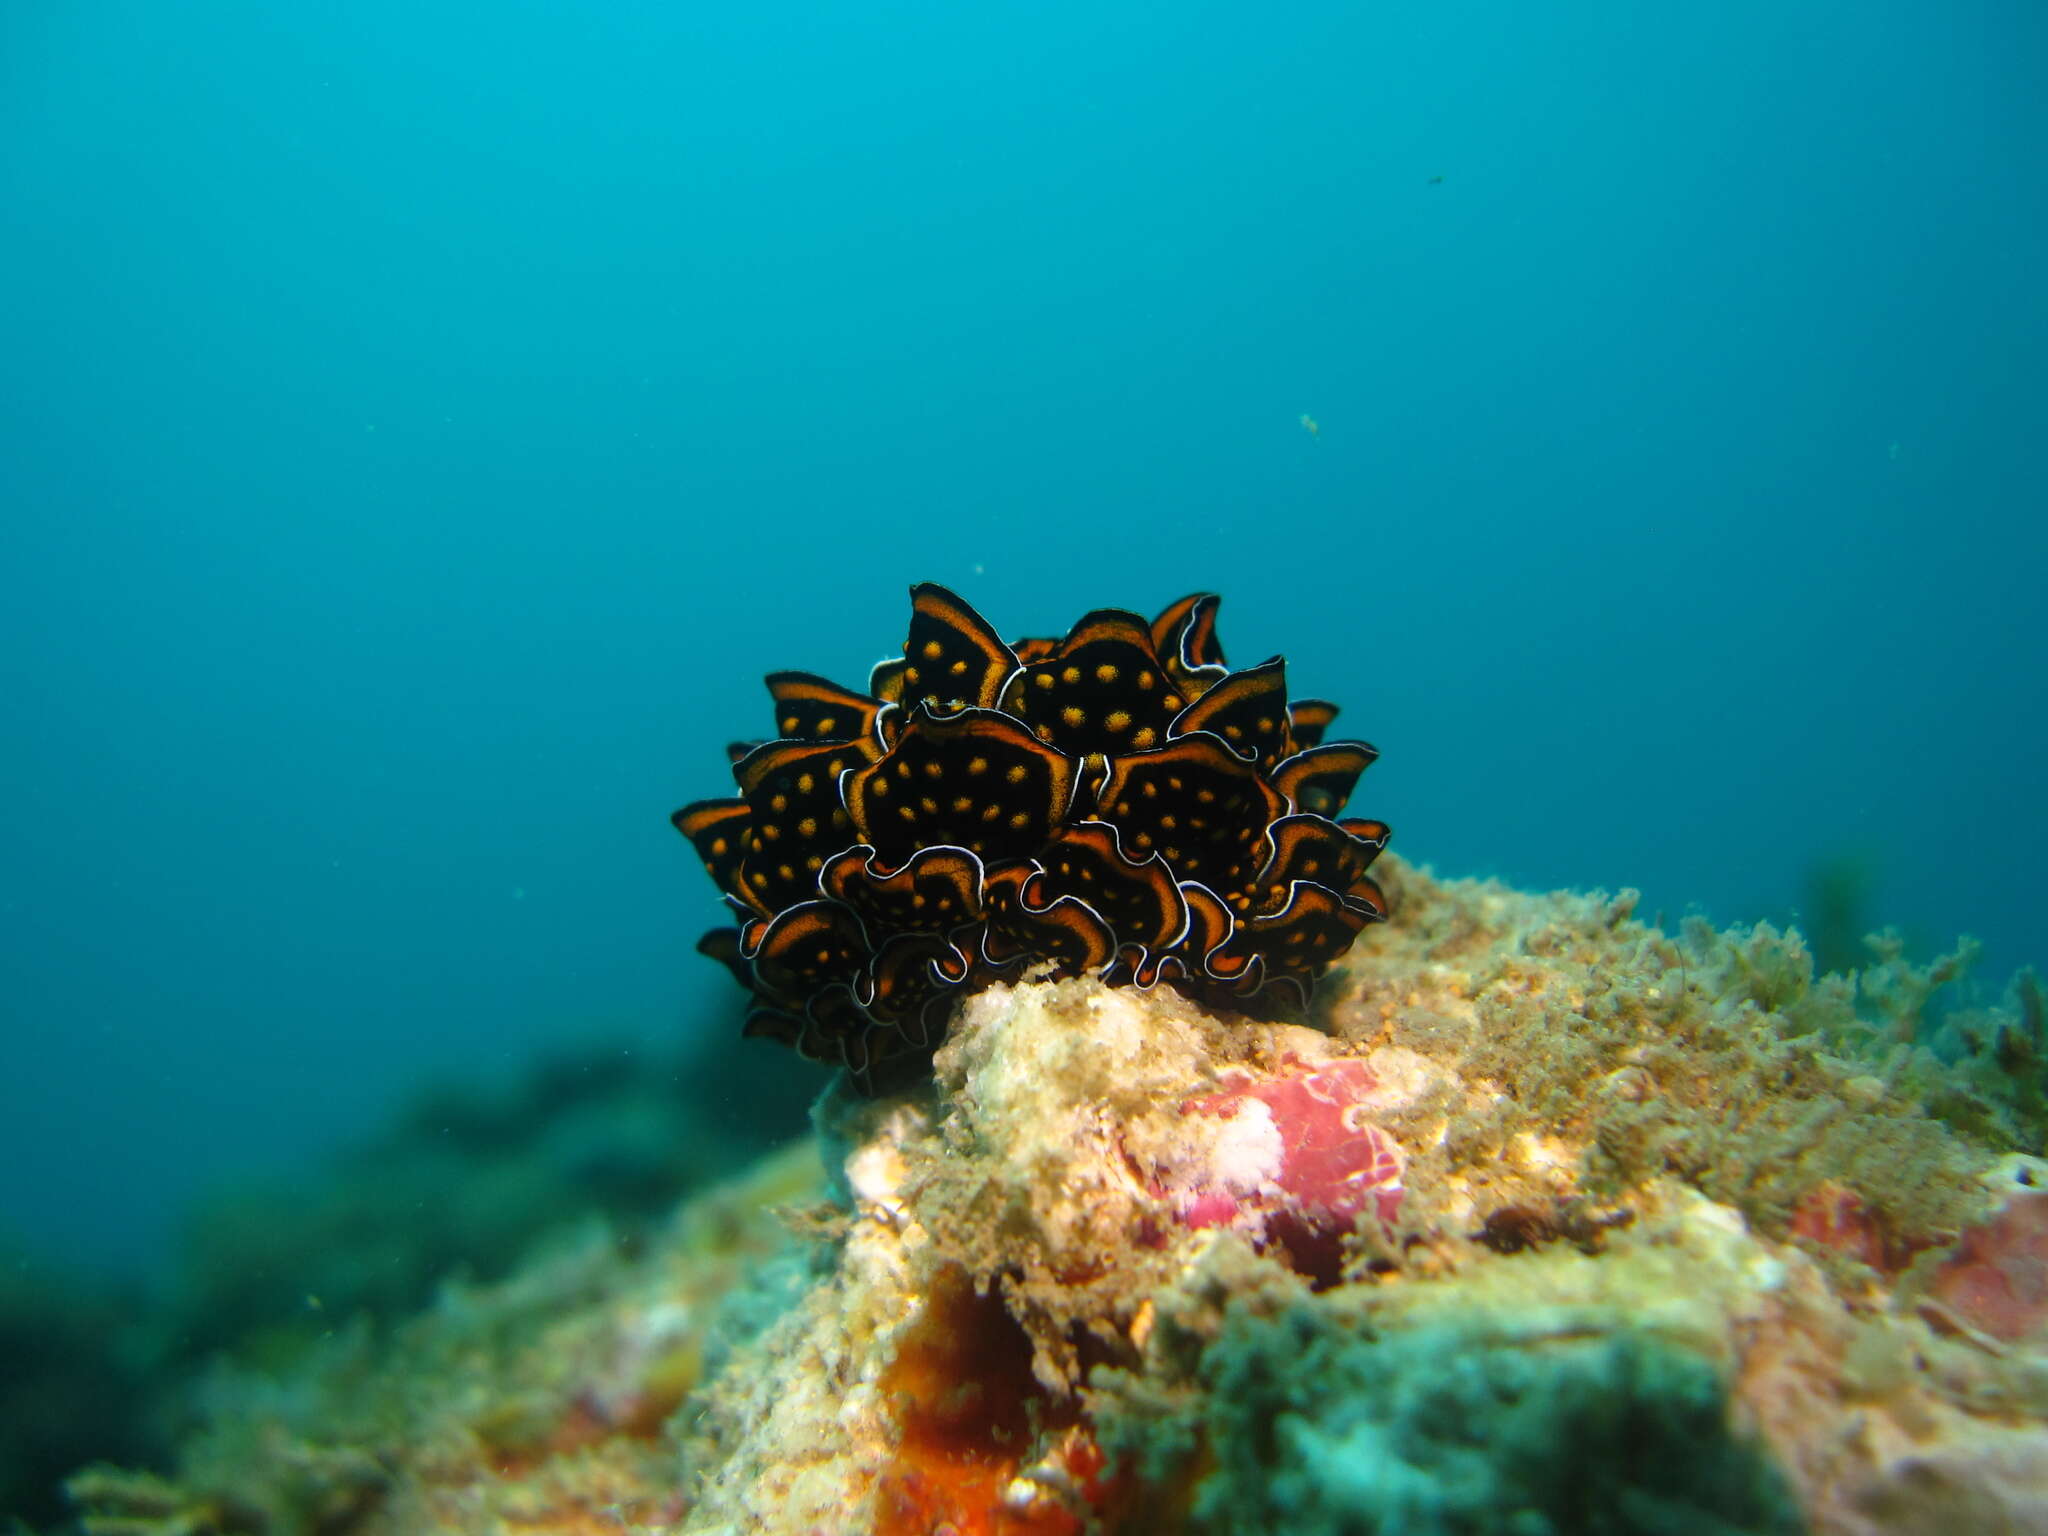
column 1997, row 1278
column 1834, row 1216
column 1303, row 1183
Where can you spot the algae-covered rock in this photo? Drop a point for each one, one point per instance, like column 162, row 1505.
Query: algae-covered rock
column 1323, row 1430
column 533, row 1403
column 1546, row 1221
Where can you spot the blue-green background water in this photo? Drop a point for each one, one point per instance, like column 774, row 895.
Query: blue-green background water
column 421, row 424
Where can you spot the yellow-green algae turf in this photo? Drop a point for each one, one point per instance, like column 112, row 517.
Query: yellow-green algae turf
column 1716, row 1057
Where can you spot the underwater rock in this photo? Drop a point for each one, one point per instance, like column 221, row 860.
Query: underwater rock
column 1552, row 1223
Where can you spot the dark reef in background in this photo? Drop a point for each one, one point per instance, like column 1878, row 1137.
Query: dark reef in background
column 71, row 1386
column 460, row 1182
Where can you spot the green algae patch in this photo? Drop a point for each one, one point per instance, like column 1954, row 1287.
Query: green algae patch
column 1313, row 1427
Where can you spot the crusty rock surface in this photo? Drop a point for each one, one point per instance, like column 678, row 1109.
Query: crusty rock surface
column 1526, row 1150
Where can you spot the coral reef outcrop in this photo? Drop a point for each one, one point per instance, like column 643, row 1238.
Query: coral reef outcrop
column 1545, row 1221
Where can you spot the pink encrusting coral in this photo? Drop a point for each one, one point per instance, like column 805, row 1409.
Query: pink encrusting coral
column 1997, row 1279
column 1295, row 1160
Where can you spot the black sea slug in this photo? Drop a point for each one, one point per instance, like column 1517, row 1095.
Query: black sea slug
column 1117, row 803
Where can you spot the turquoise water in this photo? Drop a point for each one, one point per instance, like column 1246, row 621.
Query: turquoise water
column 422, row 424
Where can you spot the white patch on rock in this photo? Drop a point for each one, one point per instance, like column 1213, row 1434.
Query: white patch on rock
column 1247, row 1153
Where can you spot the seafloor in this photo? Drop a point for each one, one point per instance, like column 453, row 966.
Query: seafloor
column 1551, row 1223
